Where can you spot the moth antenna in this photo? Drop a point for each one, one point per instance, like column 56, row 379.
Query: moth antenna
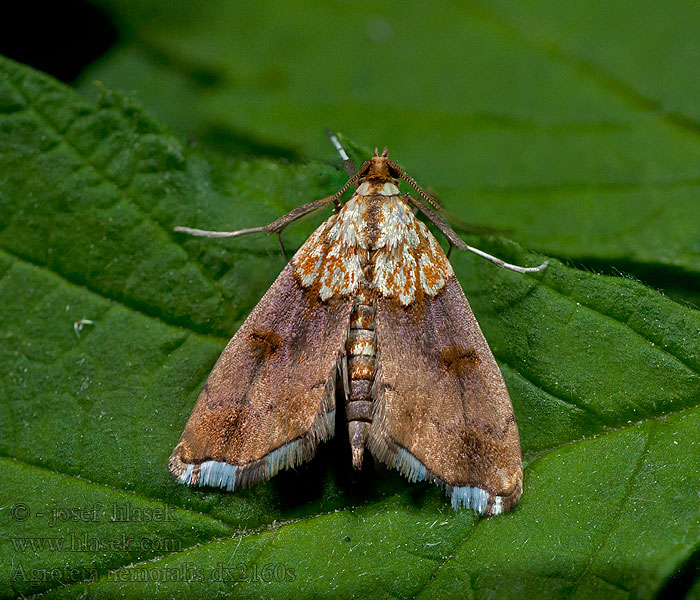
column 385, row 152
column 336, row 197
column 453, row 239
column 412, row 182
column 280, row 224
column 449, row 250
column 349, row 165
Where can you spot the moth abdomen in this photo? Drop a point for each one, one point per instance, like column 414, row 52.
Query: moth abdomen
column 361, row 352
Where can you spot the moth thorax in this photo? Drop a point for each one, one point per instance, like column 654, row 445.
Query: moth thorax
column 377, row 188
column 361, row 351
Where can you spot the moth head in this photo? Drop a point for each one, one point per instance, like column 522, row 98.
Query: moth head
column 379, row 169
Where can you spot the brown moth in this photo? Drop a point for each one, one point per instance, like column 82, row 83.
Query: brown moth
column 370, row 304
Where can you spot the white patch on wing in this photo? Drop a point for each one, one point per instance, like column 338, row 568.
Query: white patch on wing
column 409, row 466
column 340, row 277
column 218, row 474
column 462, row 497
column 407, row 255
column 363, row 189
column 389, row 189
column 373, row 189
column 348, row 227
column 476, row 499
column 397, row 228
column 335, row 253
column 430, row 287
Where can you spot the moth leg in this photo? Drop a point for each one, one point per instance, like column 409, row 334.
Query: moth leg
column 501, row 263
column 284, row 252
column 349, row 165
column 280, row 224
column 454, row 240
column 274, row 227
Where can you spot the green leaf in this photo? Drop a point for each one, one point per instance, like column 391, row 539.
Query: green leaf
column 111, row 323
column 572, row 126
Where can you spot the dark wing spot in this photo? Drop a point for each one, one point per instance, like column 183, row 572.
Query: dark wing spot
column 264, row 343
column 459, row 361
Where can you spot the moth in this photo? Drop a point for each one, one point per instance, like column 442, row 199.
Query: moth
column 368, row 306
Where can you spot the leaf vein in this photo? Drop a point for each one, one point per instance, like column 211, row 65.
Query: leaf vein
column 653, row 344
column 623, row 500
column 570, row 402
column 121, row 190
column 618, row 88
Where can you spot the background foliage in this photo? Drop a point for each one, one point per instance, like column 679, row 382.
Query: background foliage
column 567, row 128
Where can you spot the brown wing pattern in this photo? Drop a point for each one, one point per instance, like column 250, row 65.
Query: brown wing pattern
column 442, row 412
column 270, row 398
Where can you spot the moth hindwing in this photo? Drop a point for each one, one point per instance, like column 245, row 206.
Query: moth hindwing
column 369, row 304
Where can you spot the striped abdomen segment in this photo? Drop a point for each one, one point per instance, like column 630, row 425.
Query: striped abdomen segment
column 361, row 351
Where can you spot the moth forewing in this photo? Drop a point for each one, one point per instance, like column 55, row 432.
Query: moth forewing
column 370, row 299
column 442, row 410
column 270, row 398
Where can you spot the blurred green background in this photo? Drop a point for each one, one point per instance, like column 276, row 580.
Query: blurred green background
column 571, row 127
